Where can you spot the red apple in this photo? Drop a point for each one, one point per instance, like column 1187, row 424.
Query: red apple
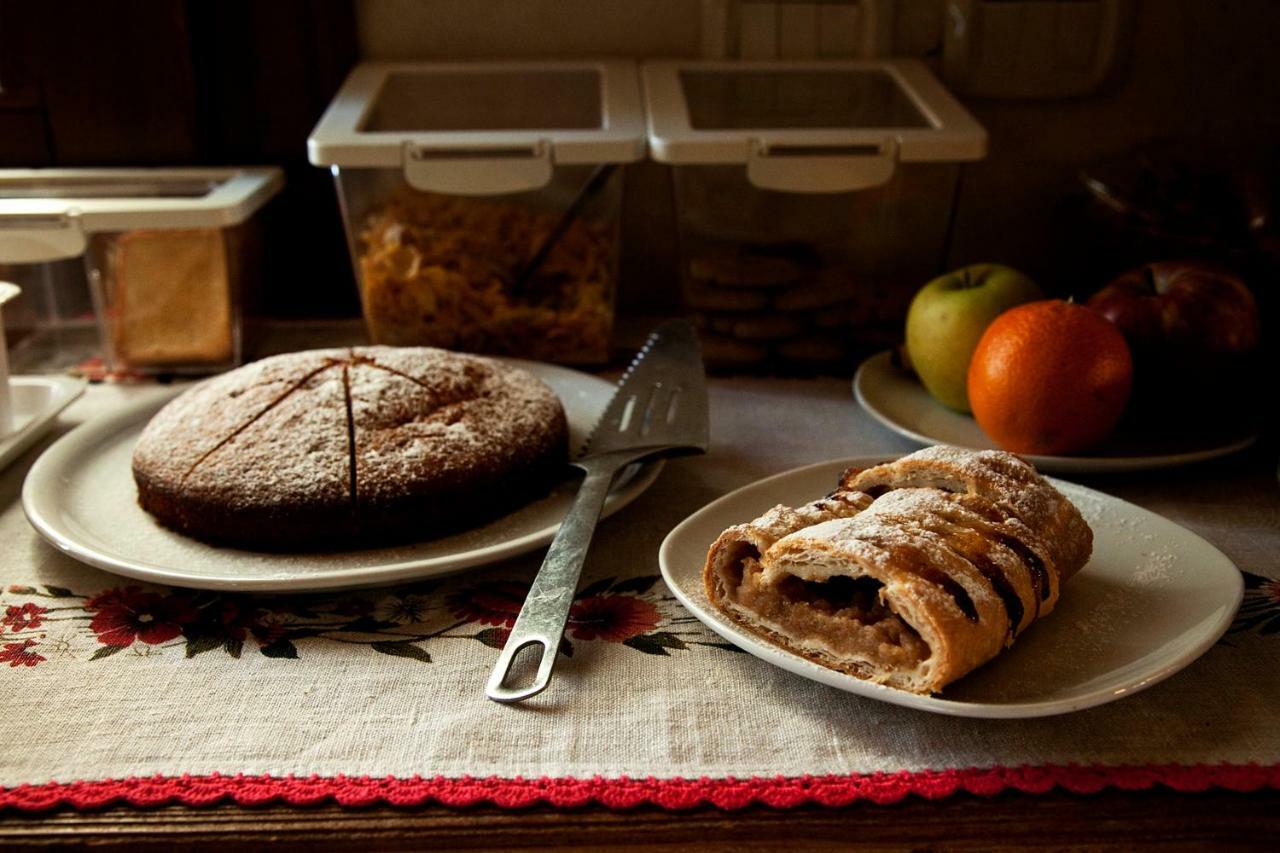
column 1193, row 329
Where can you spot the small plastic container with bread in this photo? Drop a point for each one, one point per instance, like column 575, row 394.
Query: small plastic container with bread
column 482, row 200
column 813, row 199
column 155, row 259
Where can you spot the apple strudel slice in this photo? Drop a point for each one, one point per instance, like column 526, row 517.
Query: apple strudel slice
column 910, row 574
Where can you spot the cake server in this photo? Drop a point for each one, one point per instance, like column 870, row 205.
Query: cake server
column 659, row 408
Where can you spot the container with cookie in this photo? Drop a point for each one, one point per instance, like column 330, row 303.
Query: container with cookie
column 482, row 201
column 813, row 199
column 149, row 268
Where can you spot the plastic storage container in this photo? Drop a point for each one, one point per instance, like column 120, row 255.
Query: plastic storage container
column 8, row 291
column 813, row 199
column 482, row 200
column 146, row 266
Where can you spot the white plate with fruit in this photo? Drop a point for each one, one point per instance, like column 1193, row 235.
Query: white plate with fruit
column 895, row 398
column 1107, row 386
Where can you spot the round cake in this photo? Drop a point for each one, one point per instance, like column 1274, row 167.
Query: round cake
column 371, row 445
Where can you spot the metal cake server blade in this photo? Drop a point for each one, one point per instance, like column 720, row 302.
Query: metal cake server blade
column 659, row 408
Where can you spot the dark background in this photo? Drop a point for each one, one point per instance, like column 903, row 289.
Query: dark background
column 165, row 82
column 156, row 82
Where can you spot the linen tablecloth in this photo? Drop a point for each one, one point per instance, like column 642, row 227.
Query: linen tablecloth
column 115, row 690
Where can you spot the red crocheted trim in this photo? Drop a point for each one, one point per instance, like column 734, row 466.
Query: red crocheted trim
column 623, row 793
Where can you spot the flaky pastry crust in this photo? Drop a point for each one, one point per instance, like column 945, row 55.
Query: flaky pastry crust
column 910, row 574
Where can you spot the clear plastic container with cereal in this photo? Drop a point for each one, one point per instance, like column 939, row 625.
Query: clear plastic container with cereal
column 813, row 199
column 482, row 201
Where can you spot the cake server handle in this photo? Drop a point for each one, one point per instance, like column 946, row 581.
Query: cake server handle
column 546, row 609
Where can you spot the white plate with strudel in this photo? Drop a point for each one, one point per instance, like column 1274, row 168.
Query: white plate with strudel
column 955, row 581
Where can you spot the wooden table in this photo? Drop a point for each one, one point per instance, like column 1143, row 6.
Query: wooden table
column 1112, row 820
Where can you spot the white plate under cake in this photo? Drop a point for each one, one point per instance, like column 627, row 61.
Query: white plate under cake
column 80, row 496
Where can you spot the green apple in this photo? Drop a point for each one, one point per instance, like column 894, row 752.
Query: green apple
column 949, row 315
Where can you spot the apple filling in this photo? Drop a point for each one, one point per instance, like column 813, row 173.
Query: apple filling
column 841, row 616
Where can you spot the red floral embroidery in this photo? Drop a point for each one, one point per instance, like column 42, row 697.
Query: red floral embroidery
column 21, row 618
column 19, row 654
column 612, row 617
column 114, row 597
column 397, row 623
column 232, row 621
column 129, row 614
column 495, row 604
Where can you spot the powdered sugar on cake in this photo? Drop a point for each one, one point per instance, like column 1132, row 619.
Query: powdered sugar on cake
column 193, row 426
column 296, row 450
column 425, row 416
column 332, row 431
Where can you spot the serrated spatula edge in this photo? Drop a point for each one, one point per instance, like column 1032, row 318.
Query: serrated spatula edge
column 674, row 334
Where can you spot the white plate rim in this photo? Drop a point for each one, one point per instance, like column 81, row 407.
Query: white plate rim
column 851, row 684
column 41, row 507
column 66, row 390
column 1058, row 464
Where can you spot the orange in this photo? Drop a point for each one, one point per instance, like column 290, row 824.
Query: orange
column 1049, row 378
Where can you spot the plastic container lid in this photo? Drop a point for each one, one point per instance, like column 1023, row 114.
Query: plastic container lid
column 806, row 126
column 482, row 128
column 47, row 214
